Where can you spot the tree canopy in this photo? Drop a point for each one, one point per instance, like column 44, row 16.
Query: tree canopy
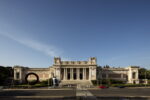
column 5, row 73
column 144, row 73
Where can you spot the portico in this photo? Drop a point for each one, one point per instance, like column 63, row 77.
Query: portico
column 74, row 74
column 75, row 71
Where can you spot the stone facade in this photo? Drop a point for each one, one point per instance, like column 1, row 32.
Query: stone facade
column 78, row 72
column 128, row 74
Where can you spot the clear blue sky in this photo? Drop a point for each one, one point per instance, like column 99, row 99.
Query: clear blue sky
column 117, row 32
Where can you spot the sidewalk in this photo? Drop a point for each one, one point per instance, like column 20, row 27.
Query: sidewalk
column 40, row 89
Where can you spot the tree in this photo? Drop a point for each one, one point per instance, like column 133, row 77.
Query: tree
column 5, row 73
column 144, row 73
column 106, row 66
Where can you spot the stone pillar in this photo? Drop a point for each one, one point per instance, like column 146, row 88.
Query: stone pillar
column 122, row 76
column 15, row 75
column 137, row 75
column 71, row 73
column 20, row 74
column 78, row 74
column 66, row 74
column 90, row 73
column 64, row 78
column 82, row 73
column 85, row 73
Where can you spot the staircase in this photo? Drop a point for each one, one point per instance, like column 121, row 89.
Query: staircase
column 82, row 83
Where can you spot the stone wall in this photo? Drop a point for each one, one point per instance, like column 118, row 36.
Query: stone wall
column 129, row 74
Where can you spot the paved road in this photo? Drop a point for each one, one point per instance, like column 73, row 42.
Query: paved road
column 121, row 92
column 99, row 94
column 37, row 94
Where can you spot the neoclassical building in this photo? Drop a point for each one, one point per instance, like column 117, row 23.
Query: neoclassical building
column 78, row 72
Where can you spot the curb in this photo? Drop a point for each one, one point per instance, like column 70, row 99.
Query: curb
column 33, row 89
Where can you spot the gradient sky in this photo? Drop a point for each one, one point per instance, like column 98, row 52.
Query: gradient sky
column 117, row 32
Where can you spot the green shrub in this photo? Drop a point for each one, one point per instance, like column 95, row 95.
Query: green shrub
column 46, row 82
column 107, row 82
column 148, row 81
column 39, row 84
column 129, row 85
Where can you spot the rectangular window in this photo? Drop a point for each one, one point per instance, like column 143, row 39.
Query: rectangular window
column 133, row 75
column 17, row 75
column 114, row 75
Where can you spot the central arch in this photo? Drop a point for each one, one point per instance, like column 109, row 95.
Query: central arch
column 34, row 82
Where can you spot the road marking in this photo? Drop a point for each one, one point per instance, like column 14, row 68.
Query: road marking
column 84, row 93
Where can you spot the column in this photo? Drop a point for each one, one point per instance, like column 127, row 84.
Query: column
column 82, row 73
column 85, row 74
column 64, row 77
column 89, row 73
column 137, row 75
column 122, row 76
column 78, row 74
column 15, row 75
column 66, row 74
column 71, row 73
column 20, row 75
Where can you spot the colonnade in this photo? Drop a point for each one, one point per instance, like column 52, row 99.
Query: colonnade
column 74, row 73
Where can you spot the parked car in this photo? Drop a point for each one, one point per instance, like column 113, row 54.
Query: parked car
column 103, row 87
column 121, row 86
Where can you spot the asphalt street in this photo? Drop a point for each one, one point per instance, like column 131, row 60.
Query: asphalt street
column 121, row 92
column 71, row 94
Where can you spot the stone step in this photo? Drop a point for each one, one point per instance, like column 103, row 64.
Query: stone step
column 76, row 82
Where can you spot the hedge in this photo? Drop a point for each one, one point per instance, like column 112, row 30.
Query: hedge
column 107, row 81
column 130, row 85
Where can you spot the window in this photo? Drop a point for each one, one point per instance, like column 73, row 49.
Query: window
column 114, row 75
column 133, row 75
column 17, row 75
